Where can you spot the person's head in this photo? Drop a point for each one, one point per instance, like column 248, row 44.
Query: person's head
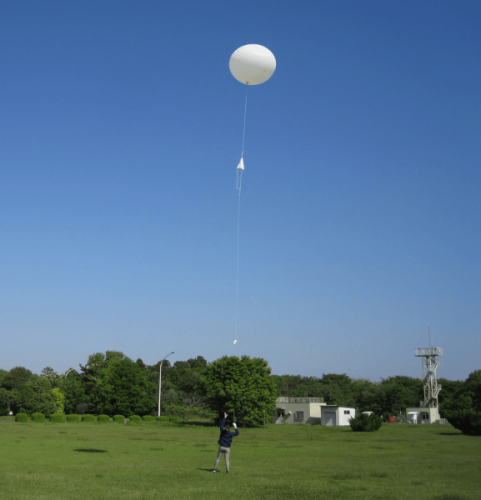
column 226, row 428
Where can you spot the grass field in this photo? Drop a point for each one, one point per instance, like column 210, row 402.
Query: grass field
column 153, row 461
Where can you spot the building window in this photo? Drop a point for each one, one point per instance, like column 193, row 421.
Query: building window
column 280, row 412
column 347, row 412
column 299, row 415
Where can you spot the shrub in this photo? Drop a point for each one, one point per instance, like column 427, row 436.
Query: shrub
column 21, row 417
column 88, row 418
column 73, row 418
column 104, row 418
column 39, row 418
column 365, row 422
column 175, row 419
column 162, row 419
column 135, row 418
column 147, row 418
column 119, row 419
column 467, row 421
column 56, row 419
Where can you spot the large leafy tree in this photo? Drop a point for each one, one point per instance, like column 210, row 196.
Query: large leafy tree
column 151, row 373
column 185, row 375
column 4, row 400
column 16, row 377
column 52, row 375
column 74, row 393
column 365, row 393
column 337, row 389
column 464, row 410
column 123, row 390
column 239, row 385
column 397, row 393
column 473, row 388
column 59, row 399
column 2, row 375
column 451, row 389
column 95, row 367
column 34, row 396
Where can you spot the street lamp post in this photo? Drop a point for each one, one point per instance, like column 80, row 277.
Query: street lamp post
column 66, row 373
column 71, row 370
column 160, row 376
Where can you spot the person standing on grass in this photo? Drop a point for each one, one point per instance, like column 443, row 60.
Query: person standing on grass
column 225, row 442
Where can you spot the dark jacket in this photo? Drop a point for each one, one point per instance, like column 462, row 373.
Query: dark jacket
column 226, row 436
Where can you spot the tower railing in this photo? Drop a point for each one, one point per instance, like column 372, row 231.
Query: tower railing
column 428, row 351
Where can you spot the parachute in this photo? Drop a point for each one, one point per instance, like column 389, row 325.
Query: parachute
column 251, row 65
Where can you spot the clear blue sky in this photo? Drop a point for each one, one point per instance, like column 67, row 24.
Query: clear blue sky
column 120, row 132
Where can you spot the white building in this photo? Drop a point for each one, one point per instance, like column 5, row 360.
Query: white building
column 422, row 415
column 333, row 415
column 298, row 411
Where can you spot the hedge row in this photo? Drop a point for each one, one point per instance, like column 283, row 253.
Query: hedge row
column 40, row 418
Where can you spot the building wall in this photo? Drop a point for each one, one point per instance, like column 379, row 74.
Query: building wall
column 291, row 406
column 329, row 412
column 433, row 413
column 329, row 416
column 343, row 418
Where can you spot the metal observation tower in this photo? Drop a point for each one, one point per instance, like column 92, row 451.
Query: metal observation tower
column 430, row 365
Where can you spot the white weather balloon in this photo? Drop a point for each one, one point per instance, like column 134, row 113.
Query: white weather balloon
column 252, row 64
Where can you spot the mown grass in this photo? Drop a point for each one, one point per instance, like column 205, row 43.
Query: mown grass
column 152, row 461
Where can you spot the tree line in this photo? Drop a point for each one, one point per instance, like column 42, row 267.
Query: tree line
column 389, row 397
column 111, row 383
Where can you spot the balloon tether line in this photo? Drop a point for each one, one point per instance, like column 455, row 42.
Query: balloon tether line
column 238, row 187
column 244, row 130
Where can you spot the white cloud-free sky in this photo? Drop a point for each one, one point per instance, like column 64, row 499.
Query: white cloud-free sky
column 120, row 132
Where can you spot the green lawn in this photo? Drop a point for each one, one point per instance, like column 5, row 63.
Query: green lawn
column 153, row 461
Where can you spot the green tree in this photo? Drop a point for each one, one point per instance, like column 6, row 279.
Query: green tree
column 464, row 409
column 2, row 375
column 243, row 386
column 365, row 393
column 152, row 376
column 74, row 393
column 337, row 389
column 122, row 390
column 16, row 377
column 51, row 375
column 185, row 375
column 59, row 399
column 397, row 393
column 4, row 401
column 96, row 365
column 449, row 393
column 35, row 396
column 473, row 389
